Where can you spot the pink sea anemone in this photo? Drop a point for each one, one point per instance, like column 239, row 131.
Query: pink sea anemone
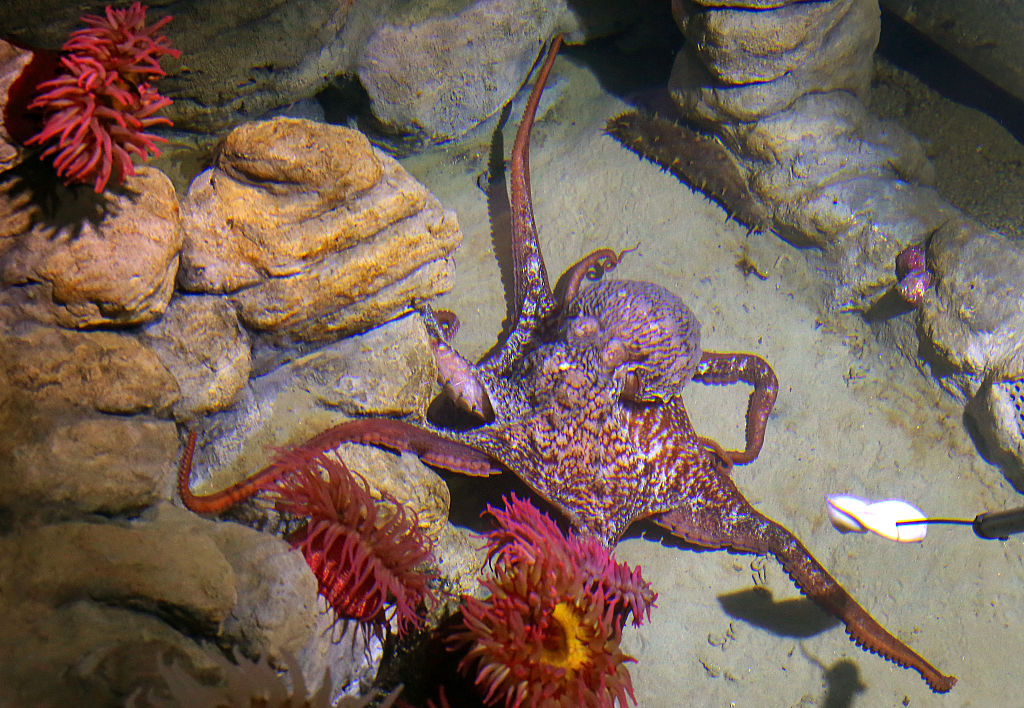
column 549, row 633
column 97, row 109
column 365, row 554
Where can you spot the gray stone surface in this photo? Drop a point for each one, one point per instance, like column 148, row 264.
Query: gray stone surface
column 406, row 70
column 204, row 347
column 984, row 35
column 975, row 319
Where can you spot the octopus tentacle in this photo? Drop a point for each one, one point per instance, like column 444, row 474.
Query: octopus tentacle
column 731, row 367
column 592, row 266
column 461, row 381
column 746, row 529
column 431, row 447
column 534, row 299
column 525, row 242
column 223, row 500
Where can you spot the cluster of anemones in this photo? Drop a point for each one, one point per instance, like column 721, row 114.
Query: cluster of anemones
column 366, row 555
column 549, row 632
column 96, row 111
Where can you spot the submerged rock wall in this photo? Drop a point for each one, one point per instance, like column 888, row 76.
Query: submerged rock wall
column 430, row 71
column 130, row 315
column 783, row 85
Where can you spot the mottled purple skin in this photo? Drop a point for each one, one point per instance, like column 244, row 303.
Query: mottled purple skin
column 911, row 259
column 643, row 331
column 913, row 287
column 913, row 276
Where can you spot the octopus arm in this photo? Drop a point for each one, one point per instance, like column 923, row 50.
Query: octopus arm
column 533, row 297
column 431, row 447
column 729, row 368
column 745, row 529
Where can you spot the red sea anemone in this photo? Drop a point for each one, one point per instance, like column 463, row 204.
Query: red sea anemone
column 97, row 109
column 549, row 633
column 364, row 553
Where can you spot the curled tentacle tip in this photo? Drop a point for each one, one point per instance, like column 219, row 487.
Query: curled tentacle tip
column 853, row 514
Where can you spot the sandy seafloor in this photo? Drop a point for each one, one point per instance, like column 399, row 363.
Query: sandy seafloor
column 852, row 417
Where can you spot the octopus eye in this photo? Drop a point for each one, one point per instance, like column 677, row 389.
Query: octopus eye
column 614, row 353
column 583, row 327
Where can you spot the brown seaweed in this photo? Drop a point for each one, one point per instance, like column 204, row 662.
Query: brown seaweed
column 699, row 161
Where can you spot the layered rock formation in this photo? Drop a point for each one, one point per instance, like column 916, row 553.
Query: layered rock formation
column 301, row 234
column 313, row 232
column 782, row 84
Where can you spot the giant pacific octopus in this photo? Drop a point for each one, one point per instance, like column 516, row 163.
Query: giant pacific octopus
column 581, row 400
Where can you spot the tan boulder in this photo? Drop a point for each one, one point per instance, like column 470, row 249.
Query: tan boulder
column 207, row 351
column 158, row 567
column 58, row 369
column 314, row 232
column 100, row 261
column 84, row 464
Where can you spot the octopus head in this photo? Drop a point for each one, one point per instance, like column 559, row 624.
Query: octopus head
column 647, row 338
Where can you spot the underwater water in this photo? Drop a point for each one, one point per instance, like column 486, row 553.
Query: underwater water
column 853, row 416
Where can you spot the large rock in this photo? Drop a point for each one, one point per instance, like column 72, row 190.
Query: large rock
column 48, row 367
column 313, row 232
column 407, row 69
column 782, row 84
column 158, row 568
column 387, row 371
column 78, row 463
column 274, row 608
column 85, row 653
column 204, row 347
column 97, row 607
column 98, row 261
column 975, row 318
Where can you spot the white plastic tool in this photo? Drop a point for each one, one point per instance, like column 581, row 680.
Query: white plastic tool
column 848, row 513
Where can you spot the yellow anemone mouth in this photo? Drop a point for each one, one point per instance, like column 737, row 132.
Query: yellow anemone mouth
column 565, row 646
